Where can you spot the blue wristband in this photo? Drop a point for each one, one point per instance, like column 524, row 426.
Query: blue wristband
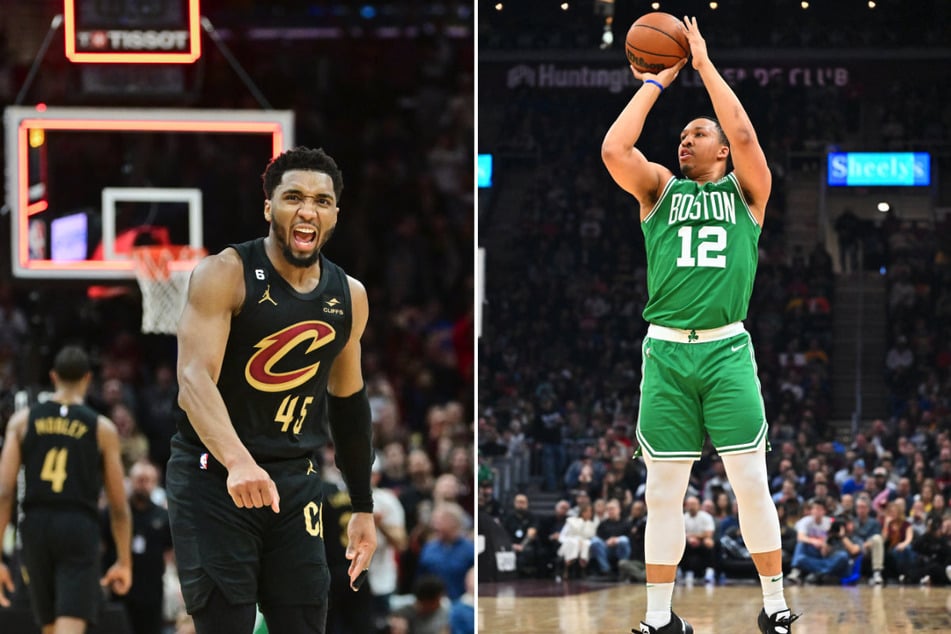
column 656, row 83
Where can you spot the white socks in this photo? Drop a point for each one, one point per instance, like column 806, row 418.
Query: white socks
column 658, row 604
column 773, row 599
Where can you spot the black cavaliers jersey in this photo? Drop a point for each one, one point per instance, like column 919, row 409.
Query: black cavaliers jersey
column 61, row 457
column 278, row 358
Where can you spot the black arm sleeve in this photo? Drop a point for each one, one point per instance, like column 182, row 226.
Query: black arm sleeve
column 349, row 418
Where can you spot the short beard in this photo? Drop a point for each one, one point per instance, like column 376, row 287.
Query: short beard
column 301, row 263
column 293, row 260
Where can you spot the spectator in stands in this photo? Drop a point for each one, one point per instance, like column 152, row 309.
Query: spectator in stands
column 903, row 491
column 611, row 542
column 917, row 517
column 933, row 553
column 547, row 432
column 638, row 519
column 856, row 481
column 820, row 486
column 427, row 614
column 419, row 489
column 842, row 539
column 391, row 540
column 522, row 527
column 698, row 558
column 159, row 406
column 586, row 473
column 449, row 554
column 942, row 473
column 881, row 484
column 575, row 541
column 868, row 532
column 393, row 472
column 550, row 530
column 847, row 227
column 898, row 535
column 724, row 514
column 151, row 550
column 814, row 555
column 133, row 445
column 789, row 516
column 789, row 491
column 899, row 364
column 487, row 500
column 446, row 489
column 716, row 481
column 462, row 611
column 926, row 494
column 582, row 499
column 938, row 508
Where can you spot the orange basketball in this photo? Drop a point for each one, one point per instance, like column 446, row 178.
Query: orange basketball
column 656, row 41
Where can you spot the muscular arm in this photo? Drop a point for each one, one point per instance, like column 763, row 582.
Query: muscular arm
column 215, row 292
column 346, row 375
column 629, row 168
column 119, row 576
column 749, row 162
column 10, row 460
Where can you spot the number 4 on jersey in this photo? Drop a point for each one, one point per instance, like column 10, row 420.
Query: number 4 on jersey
column 54, row 468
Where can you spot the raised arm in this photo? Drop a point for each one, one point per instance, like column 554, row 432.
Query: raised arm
column 627, row 165
column 215, row 292
column 749, row 162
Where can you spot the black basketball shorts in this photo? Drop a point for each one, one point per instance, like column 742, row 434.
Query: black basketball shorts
column 61, row 557
column 250, row 555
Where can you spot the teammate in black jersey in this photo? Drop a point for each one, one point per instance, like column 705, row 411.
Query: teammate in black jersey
column 68, row 452
column 269, row 372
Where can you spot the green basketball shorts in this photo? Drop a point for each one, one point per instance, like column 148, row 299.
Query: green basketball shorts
column 699, row 382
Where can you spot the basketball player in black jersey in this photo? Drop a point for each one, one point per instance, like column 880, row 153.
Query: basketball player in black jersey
column 68, row 452
column 269, row 372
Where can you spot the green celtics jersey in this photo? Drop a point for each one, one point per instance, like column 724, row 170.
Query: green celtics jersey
column 701, row 245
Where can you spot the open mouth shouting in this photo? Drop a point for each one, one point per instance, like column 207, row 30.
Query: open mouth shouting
column 304, row 237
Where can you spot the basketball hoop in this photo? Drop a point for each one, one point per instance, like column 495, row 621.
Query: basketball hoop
column 162, row 273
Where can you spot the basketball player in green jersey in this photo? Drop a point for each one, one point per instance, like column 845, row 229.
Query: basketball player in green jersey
column 699, row 372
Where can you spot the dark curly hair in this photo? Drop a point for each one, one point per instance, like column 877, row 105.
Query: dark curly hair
column 301, row 158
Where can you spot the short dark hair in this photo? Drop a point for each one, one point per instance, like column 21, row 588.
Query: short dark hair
column 429, row 587
column 301, row 158
column 716, row 122
column 71, row 364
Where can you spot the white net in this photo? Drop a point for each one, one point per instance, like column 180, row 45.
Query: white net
column 162, row 273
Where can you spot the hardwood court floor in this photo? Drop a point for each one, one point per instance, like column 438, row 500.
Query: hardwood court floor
column 574, row 607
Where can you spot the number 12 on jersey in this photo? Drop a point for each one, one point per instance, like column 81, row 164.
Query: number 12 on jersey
column 711, row 243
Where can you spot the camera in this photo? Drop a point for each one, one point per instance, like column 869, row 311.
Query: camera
column 836, row 531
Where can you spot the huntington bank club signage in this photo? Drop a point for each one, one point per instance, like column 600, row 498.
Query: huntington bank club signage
column 610, row 76
column 619, row 78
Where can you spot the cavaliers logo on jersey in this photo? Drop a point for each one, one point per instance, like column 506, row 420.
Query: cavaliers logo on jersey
column 273, row 348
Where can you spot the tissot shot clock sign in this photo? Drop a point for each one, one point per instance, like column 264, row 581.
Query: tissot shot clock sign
column 902, row 169
column 132, row 31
